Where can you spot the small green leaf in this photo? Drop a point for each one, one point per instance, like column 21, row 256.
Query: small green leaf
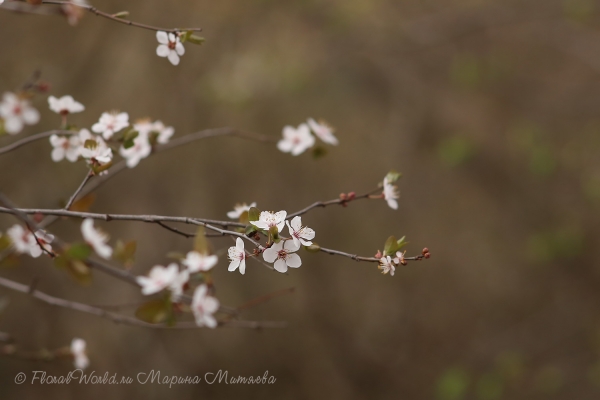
column 79, row 251
column 251, row 230
column 124, row 252
column 121, row 14
column 393, row 176
column 184, row 37
column 200, row 242
column 274, row 234
column 154, row 311
column 196, row 39
column 253, row 214
column 5, row 242
column 244, row 218
column 390, row 246
column 313, row 248
column 401, row 243
column 79, row 271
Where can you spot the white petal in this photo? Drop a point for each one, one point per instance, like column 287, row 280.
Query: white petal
column 31, row 116
column 13, row 125
column 58, row 154
column 239, row 243
column 243, row 267
column 233, row 265
column 162, row 37
column 179, row 48
column 293, row 261
column 162, row 51
column 173, row 57
column 270, row 255
column 280, row 266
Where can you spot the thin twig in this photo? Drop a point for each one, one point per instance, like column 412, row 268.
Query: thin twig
column 124, row 319
column 88, row 176
column 340, row 201
column 33, row 138
column 23, row 7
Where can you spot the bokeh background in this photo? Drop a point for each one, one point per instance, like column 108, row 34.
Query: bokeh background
column 489, row 108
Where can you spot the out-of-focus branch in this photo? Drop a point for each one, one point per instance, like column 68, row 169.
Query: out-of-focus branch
column 124, row 319
column 23, row 7
column 33, row 138
column 79, row 189
column 342, row 200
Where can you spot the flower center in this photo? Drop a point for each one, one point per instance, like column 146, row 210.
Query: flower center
column 172, row 45
column 282, row 254
column 17, row 110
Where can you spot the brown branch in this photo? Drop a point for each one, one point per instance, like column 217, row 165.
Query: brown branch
column 343, row 201
column 124, row 319
column 33, row 138
column 88, row 176
column 31, row 9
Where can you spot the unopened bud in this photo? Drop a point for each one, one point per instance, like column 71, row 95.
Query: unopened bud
column 427, row 255
column 378, row 254
column 425, row 250
column 343, row 196
column 351, row 195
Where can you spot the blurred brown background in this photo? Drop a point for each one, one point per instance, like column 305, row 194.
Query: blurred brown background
column 489, row 108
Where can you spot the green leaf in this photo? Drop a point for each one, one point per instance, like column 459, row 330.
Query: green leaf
column 393, row 176
column 196, row 39
column 5, row 242
column 100, row 168
column 253, row 214
column 401, row 243
column 251, row 230
column 121, row 14
column 80, row 272
column 244, row 218
column 200, row 242
column 390, row 247
column 313, row 248
column 79, row 251
column 124, row 252
column 319, row 152
column 184, row 37
column 154, row 311
column 274, row 234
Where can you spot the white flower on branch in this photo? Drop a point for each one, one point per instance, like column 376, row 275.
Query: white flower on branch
column 386, row 265
column 282, row 254
column 96, row 238
column 268, row 219
column 159, row 278
column 299, row 233
column 65, row 147
column 239, row 209
column 94, row 149
column 170, row 46
column 204, row 306
column 178, row 284
column 141, row 149
column 399, row 259
column 196, row 262
column 25, row 242
column 323, row 131
column 111, row 123
column 17, row 112
column 65, row 105
column 237, row 255
column 296, row 140
column 390, row 194
column 81, row 359
column 146, row 127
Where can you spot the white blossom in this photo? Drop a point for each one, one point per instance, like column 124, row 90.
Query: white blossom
column 237, row 255
column 141, row 149
column 164, row 132
column 25, row 242
column 323, row 132
column 111, row 123
column 268, row 219
column 81, row 359
column 17, row 112
column 65, row 105
column 96, row 238
column 94, row 153
column 390, row 194
column 158, row 279
column 282, row 254
column 169, row 46
column 65, row 147
column 299, row 233
column 197, row 262
column 204, row 306
column 399, row 259
column 239, row 209
column 178, row 284
column 386, row 265
column 296, row 140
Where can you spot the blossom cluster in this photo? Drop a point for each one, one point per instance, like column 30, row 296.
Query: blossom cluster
column 137, row 138
column 175, row 280
column 25, row 242
column 387, row 264
column 281, row 252
column 297, row 140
